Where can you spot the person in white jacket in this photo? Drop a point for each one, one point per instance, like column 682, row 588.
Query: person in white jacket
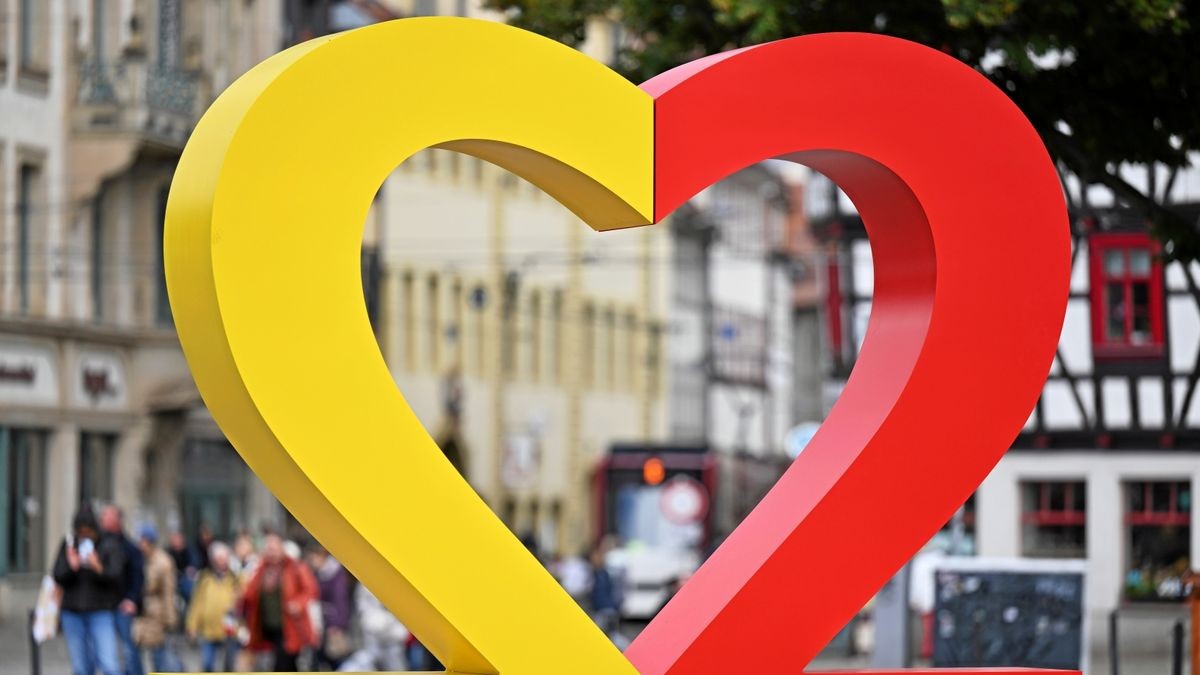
column 383, row 636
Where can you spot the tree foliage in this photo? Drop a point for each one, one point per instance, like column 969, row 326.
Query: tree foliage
column 1105, row 82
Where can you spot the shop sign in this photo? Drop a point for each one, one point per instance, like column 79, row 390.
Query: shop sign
column 27, row 373
column 99, row 379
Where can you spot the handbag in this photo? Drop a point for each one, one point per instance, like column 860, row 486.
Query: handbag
column 337, row 644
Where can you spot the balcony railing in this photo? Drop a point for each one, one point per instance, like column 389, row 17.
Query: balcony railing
column 132, row 95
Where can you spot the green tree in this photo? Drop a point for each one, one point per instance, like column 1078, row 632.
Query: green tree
column 1105, row 82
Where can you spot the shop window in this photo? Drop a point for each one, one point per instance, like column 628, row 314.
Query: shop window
column 22, row 500
column 213, row 488
column 96, row 458
column 1054, row 519
column 1158, row 524
column 1126, row 296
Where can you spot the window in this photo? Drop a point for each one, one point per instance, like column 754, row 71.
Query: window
column 454, row 332
column 739, row 346
column 99, row 250
column 535, row 336
column 740, row 210
column 833, row 307
column 162, row 304
column 1158, row 523
column 555, row 336
column 98, row 26
column 629, row 364
column 5, row 22
column 957, row 536
column 654, row 338
column 96, row 455
column 27, row 179
column 409, row 312
column 169, row 31
column 589, row 345
column 609, row 356
column 33, row 34
column 434, row 327
column 1054, row 519
column 22, row 500
column 479, row 299
column 1126, row 296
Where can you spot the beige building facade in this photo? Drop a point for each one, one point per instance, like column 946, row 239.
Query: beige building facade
column 526, row 342
column 97, row 99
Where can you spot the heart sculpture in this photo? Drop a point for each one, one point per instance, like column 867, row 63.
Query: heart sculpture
column 969, row 234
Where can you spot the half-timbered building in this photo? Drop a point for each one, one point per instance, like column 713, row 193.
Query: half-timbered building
column 1106, row 465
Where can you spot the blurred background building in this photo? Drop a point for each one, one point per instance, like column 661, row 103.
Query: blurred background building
column 650, row 384
column 96, row 403
column 552, row 364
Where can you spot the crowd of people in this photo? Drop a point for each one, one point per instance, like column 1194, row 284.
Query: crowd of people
column 269, row 605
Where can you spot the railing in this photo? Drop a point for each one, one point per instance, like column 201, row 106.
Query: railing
column 133, row 82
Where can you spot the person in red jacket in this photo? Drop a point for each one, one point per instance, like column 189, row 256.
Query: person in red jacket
column 275, row 606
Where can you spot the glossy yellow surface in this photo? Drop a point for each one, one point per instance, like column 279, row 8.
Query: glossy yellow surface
column 264, row 231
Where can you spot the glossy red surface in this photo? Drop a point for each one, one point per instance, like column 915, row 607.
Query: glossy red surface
column 971, row 249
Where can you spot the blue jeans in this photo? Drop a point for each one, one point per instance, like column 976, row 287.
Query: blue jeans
column 163, row 659
column 131, row 656
column 91, row 641
column 208, row 654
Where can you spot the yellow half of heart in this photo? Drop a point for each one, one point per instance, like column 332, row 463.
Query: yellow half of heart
column 264, row 231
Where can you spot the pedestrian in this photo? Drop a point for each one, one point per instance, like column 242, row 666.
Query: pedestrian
column 575, row 575
column 333, row 583
column 384, row 638
column 185, row 565
column 244, row 564
column 204, row 540
column 275, row 606
column 89, row 569
column 112, row 521
column 159, row 612
column 211, row 618
column 245, row 558
column 605, row 594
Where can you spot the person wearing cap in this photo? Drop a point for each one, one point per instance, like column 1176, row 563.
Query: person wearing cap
column 159, row 614
column 89, row 568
